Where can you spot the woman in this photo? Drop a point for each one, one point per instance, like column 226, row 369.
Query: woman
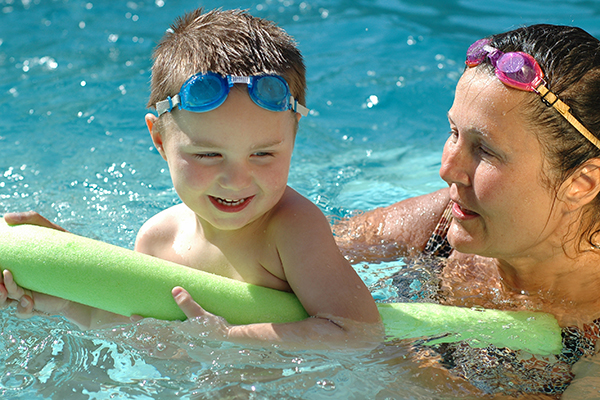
column 518, row 224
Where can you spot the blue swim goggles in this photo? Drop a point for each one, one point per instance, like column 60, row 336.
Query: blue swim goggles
column 206, row 91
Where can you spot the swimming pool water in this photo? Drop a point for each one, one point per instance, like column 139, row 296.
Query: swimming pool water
column 73, row 87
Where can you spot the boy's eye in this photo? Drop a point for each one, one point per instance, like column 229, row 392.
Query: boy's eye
column 262, row 154
column 207, row 155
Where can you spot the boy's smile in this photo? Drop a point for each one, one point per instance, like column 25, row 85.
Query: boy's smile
column 227, row 205
column 229, row 165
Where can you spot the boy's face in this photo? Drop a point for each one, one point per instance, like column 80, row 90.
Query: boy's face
column 229, row 165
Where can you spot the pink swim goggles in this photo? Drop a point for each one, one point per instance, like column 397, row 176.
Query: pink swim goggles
column 520, row 71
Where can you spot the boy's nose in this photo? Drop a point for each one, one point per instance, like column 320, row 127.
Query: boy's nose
column 236, row 176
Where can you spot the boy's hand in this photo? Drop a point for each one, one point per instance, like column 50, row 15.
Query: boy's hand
column 28, row 302
column 216, row 327
column 10, row 292
column 5, row 299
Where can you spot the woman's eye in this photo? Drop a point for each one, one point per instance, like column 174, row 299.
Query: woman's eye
column 486, row 151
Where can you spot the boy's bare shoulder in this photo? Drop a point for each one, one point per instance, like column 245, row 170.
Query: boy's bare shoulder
column 294, row 212
column 293, row 202
column 160, row 229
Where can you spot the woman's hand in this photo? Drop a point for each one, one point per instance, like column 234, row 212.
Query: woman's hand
column 5, row 298
column 31, row 218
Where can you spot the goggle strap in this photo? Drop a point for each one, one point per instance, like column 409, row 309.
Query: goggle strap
column 548, row 97
column 299, row 108
column 552, row 100
column 167, row 105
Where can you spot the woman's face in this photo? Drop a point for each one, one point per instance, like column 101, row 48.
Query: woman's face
column 493, row 164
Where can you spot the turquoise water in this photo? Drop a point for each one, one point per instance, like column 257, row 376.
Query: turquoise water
column 73, row 88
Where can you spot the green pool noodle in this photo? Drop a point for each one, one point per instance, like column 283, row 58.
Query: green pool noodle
column 125, row 282
column 536, row 332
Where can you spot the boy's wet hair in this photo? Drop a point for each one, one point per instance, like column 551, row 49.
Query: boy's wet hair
column 227, row 42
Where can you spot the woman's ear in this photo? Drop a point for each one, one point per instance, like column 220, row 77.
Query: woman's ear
column 157, row 139
column 584, row 184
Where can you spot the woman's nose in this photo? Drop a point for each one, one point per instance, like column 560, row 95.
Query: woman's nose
column 455, row 163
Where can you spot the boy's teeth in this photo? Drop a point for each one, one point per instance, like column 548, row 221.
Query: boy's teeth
column 228, row 202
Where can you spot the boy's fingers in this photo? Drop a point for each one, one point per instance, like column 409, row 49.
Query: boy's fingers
column 4, row 300
column 189, row 307
column 135, row 318
column 14, row 291
column 25, row 307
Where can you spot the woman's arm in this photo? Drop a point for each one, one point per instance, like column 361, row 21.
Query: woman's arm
column 31, row 303
column 391, row 232
column 312, row 333
column 30, row 218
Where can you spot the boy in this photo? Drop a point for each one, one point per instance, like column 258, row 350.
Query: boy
column 228, row 90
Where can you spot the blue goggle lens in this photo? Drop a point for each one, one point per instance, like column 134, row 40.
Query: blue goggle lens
column 203, row 92
column 270, row 92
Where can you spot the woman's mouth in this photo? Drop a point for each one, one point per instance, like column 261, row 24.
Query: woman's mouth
column 461, row 213
column 230, row 205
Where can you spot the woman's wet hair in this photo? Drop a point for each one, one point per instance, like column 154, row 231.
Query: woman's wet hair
column 570, row 60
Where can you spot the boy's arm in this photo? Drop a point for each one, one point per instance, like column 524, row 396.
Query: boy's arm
column 343, row 312
column 342, row 308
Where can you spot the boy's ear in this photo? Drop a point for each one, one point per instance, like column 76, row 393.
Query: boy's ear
column 584, row 184
column 156, row 135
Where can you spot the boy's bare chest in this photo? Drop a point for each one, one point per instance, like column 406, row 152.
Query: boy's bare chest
column 244, row 260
